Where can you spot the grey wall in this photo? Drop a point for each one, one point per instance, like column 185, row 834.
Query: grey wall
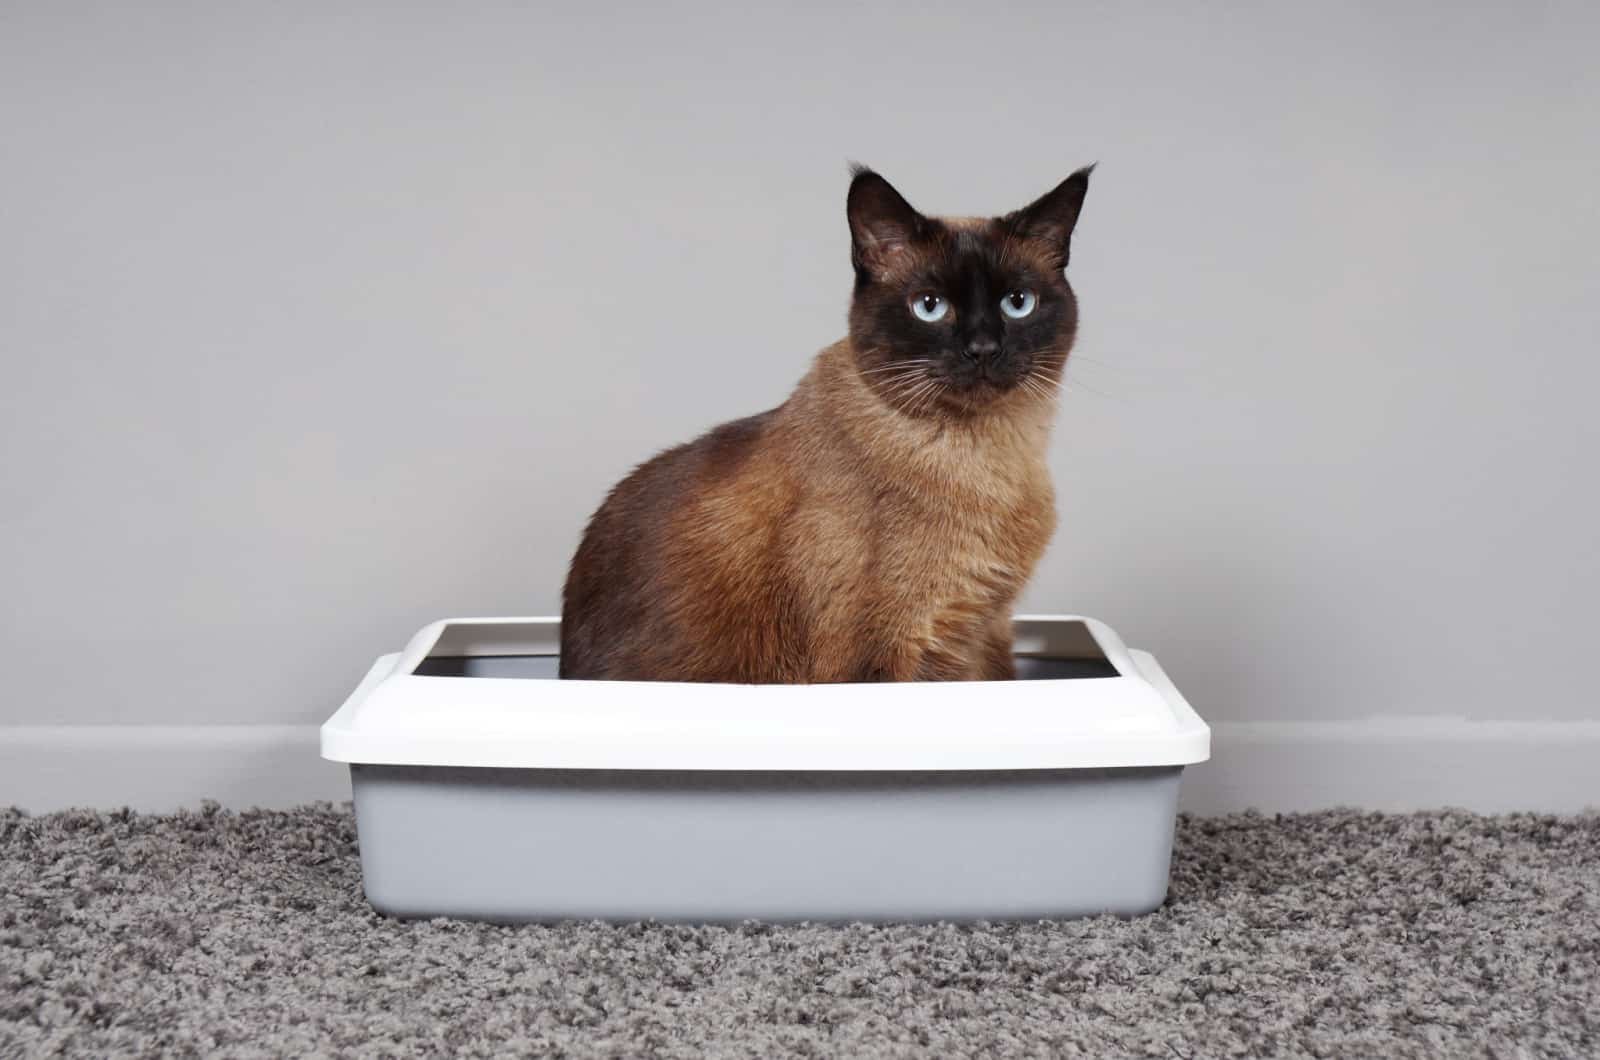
column 319, row 326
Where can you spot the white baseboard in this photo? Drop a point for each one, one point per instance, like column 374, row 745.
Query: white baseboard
column 1379, row 764
column 161, row 768
column 1399, row 764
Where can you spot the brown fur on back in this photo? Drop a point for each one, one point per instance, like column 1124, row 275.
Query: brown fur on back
column 846, row 535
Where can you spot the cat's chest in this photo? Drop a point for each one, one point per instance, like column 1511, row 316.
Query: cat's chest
column 976, row 549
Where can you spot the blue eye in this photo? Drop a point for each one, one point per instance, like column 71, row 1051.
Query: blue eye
column 1018, row 304
column 929, row 307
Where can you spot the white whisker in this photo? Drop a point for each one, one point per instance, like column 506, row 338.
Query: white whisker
column 915, row 362
column 919, row 399
column 899, row 386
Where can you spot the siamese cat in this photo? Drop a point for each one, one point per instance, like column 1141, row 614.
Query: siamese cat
column 879, row 524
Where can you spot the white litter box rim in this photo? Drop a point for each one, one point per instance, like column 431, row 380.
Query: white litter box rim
column 397, row 717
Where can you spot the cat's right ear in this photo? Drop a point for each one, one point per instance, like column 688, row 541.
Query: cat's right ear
column 882, row 223
column 1052, row 217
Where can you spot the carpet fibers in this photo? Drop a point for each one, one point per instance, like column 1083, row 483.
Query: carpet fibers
column 1335, row 934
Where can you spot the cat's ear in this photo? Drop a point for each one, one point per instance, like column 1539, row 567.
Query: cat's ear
column 1051, row 218
column 882, row 223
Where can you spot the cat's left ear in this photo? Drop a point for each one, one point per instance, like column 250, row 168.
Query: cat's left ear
column 882, row 224
column 1051, row 218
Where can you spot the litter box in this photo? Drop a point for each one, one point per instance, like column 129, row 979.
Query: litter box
column 487, row 789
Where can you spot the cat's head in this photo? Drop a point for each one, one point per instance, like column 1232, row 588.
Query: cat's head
column 958, row 315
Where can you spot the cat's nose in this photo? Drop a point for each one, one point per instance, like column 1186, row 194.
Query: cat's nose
column 981, row 351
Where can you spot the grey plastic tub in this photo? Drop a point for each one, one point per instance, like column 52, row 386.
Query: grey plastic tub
column 485, row 789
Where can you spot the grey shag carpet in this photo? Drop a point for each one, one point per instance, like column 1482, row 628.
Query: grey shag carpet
column 1334, row 934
